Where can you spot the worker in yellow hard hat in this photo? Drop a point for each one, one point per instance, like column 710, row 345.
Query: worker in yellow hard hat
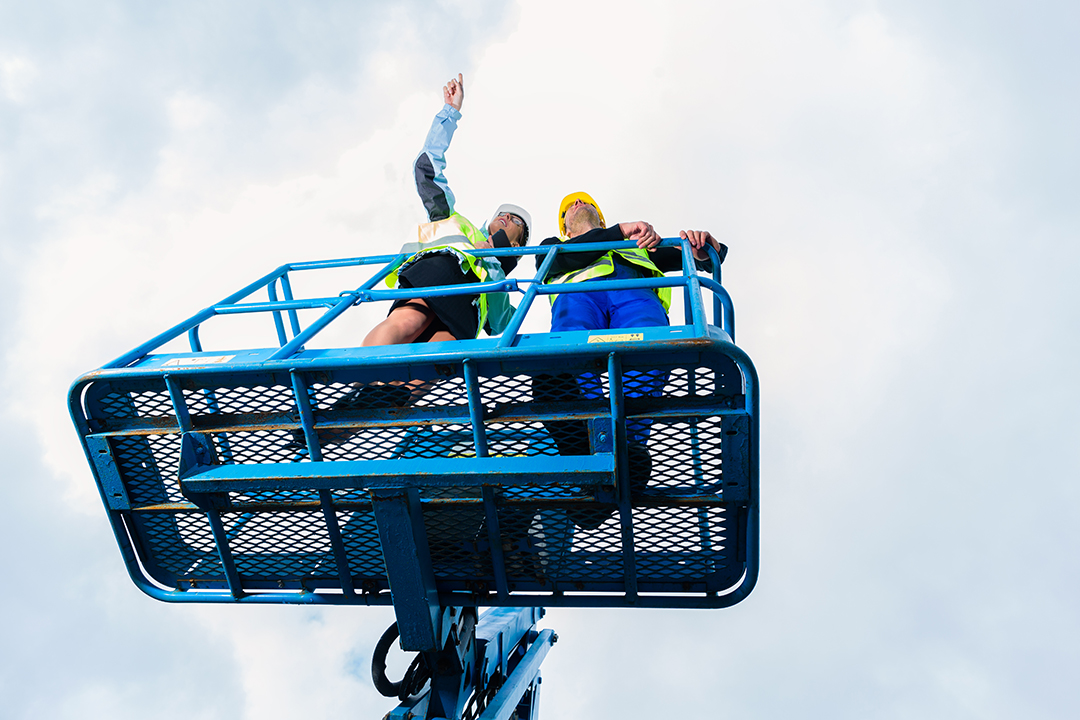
column 581, row 221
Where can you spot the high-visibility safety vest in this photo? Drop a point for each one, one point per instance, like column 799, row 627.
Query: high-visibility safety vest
column 606, row 266
column 453, row 235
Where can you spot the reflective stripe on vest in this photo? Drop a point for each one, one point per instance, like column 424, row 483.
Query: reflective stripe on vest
column 606, row 266
column 451, row 235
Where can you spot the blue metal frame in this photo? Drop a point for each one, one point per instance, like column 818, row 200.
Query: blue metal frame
column 492, row 664
column 197, row 482
column 723, row 309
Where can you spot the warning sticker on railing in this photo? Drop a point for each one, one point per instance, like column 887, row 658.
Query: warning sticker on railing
column 625, row 337
column 203, row 360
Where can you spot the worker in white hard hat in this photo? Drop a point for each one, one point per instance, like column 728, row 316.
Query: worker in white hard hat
column 438, row 258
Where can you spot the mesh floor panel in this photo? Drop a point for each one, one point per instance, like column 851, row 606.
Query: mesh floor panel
column 556, row 539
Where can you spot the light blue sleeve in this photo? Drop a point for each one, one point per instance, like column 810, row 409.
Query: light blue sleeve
column 430, row 165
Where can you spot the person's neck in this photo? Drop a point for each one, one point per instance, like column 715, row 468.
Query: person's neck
column 574, row 232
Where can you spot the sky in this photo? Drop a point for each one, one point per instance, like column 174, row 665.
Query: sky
column 897, row 184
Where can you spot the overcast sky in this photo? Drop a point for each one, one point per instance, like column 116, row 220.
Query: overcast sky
column 897, row 182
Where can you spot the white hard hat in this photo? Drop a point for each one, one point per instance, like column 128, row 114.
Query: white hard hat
column 514, row 210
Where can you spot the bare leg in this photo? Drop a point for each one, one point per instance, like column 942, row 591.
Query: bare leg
column 403, row 325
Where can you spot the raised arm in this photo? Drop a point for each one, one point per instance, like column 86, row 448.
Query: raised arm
column 428, row 169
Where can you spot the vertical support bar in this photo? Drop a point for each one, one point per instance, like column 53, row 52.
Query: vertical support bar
column 176, row 395
column 736, row 448
column 221, row 538
column 400, row 519
column 498, row 559
column 193, row 339
column 717, row 305
column 476, row 408
column 341, row 559
column 480, row 446
column 509, row 335
column 222, row 437
column 688, row 271
column 622, row 466
column 286, row 291
column 693, row 292
column 697, row 464
column 326, row 497
column 279, row 326
column 225, row 553
column 196, row 450
column 307, row 418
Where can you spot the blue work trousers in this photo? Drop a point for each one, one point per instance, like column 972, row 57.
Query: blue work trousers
column 610, row 310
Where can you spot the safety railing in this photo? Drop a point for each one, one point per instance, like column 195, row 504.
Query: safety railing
column 530, row 469
column 291, row 336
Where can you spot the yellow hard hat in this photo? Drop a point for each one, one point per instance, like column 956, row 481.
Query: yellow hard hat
column 570, row 200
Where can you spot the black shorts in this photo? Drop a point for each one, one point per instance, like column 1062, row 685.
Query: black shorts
column 454, row 313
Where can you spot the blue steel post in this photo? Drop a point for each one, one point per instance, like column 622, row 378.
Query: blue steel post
column 498, row 557
column 721, row 296
column 193, row 339
column 480, row 448
column 176, row 395
column 693, row 291
column 221, row 538
column 408, row 567
column 510, row 332
column 286, row 291
column 212, row 513
column 626, row 513
column 271, row 292
column 326, row 497
column 717, row 305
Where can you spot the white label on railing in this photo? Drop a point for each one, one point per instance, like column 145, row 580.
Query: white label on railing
column 204, row 360
column 625, row 337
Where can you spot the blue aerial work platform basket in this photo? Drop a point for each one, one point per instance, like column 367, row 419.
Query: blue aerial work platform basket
column 289, row 475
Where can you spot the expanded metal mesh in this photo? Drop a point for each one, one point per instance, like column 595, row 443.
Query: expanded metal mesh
column 573, row 543
column 275, row 544
column 148, row 464
column 240, row 400
column 147, row 404
column 686, row 452
column 181, row 544
column 360, row 536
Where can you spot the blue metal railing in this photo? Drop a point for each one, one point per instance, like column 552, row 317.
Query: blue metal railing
column 334, row 307
column 156, row 428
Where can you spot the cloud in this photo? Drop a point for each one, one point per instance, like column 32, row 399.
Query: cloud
column 903, row 281
column 17, row 74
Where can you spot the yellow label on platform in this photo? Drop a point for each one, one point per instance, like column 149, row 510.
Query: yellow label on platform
column 625, row 337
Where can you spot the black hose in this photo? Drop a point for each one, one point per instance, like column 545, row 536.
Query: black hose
column 415, row 677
